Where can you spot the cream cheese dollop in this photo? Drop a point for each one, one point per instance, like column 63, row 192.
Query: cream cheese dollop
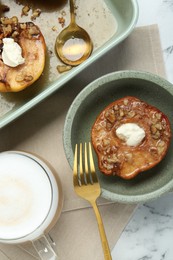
column 12, row 53
column 131, row 133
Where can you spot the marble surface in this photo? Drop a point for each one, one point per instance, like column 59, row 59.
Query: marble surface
column 160, row 12
column 149, row 233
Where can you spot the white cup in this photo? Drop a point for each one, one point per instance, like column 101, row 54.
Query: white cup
column 30, row 201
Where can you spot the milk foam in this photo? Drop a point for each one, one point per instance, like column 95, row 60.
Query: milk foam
column 25, row 195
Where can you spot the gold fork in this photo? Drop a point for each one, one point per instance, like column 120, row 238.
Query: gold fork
column 86, row 185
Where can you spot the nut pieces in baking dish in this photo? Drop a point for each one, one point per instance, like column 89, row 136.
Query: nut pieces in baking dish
column 130, row 136
column 33, row 48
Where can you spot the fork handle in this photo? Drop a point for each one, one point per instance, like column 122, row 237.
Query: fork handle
column 105, row 245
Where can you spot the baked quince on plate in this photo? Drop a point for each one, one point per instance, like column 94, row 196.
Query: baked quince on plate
column 130, row 136
column 22, row 54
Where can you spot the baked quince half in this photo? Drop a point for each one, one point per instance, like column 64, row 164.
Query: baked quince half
column 33, row 50
column 129, row 137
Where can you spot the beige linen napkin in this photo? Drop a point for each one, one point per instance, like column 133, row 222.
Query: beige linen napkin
column 40, row 131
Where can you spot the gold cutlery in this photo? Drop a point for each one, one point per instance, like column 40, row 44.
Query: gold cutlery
column 86, row 185
column 73, row 44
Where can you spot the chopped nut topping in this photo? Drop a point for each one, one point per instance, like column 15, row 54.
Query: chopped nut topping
column 7, row 30
column 161, row 143
column 63, row 68
column 34, row 30
column 25, row 10
column 161, row 149
column 116, row 107
column 108, row 126
column 131, row 114
column 158, row 116
column 61, row 21
column 158, row 126
column 125, row 102
column 153, row 151
column 23, row 26
column 98, row 127
column 121, row 113
column 10, row 27
column 106, row 142
column 156, row 135
column 36, row 13
column 112, row 159
column 20, row 77
column 54, row 28
column 28, row 78
column 110, row 116
column 153, row 129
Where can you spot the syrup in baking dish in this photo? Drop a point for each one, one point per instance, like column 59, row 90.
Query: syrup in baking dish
column 74, row 48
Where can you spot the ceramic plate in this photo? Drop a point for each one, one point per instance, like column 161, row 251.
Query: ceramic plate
column 99, row 23
column 92, row 100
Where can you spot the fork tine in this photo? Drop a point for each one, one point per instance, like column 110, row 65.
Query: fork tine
column 92, row 166
column 81, row 171
column 75, row 168
column 88, row 179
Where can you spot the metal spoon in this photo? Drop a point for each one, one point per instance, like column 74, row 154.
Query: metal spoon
column 73, row 45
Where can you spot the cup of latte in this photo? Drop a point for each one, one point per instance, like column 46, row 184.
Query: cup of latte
column 30, row 201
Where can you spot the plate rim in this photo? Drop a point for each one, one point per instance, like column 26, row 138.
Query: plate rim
column 74, row 107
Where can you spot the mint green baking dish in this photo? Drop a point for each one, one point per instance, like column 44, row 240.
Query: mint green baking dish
column 126, row 13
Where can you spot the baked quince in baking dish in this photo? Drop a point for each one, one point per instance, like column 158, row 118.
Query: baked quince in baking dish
column 22, row 54
column 130, row 136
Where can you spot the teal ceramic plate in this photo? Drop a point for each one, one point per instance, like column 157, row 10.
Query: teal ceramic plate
column 126, row 14
column 92, row 100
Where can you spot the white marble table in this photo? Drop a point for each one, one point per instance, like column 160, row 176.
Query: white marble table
column 160, row 12
column 149, row 234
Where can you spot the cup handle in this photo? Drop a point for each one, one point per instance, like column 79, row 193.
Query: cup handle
column 44, row 249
